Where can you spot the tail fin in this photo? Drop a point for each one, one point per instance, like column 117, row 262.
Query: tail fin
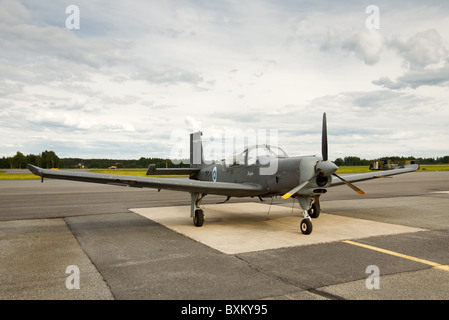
column 196, row 150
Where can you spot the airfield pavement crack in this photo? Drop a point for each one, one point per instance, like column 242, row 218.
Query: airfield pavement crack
column 300, row 286
column 324, row 294
column 91, row 261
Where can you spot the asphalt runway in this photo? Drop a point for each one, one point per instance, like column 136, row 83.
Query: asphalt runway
column 58, row 232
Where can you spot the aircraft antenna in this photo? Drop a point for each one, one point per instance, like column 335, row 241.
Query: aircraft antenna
column 293, row 204
column 269, row 208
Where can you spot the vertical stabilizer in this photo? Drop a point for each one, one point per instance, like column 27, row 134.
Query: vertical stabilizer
column 196, row 150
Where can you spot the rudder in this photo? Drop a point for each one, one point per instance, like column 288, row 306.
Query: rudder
column 196, row 150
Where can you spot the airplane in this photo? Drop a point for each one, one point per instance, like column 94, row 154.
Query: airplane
column 305, row 178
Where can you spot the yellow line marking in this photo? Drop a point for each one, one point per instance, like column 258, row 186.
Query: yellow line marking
column 400, row 255
column 443, row 267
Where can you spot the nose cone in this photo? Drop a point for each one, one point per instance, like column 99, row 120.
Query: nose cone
column 326, row 168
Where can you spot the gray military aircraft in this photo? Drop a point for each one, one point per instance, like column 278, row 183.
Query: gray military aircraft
column 305, row 178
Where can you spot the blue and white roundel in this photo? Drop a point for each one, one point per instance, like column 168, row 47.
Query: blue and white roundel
column 214, row 174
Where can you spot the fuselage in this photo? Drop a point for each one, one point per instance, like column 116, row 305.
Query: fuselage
column 276, row 176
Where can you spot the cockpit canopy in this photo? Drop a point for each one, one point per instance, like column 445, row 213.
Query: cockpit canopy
column 259, row 154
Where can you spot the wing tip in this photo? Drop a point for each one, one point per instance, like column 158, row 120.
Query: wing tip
column 34, row 169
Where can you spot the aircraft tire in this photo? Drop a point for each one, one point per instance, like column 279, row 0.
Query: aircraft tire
column 315, row 211
column 306, row 226
column 198, row 218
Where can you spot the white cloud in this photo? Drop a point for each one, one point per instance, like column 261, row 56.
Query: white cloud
column 414, row 79
column 136, row 70
column 366, row 44
column 421, row 50
column 426, row 61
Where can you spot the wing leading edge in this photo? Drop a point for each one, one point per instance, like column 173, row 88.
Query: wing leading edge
column 186, row 185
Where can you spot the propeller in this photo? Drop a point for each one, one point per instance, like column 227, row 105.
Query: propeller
column 323, row 168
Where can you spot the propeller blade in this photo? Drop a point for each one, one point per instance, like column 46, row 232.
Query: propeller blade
column 296, row 189
column 350, row 185
column 324, row 151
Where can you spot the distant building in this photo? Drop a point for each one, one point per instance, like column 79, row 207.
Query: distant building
column 388, row 164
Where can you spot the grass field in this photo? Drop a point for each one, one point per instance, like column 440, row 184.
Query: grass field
column 4, row 175
column 361, row 169
column 18, row 176
column 436, row 167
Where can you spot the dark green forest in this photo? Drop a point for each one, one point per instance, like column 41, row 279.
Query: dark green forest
column 49, row 159
column 356, row 161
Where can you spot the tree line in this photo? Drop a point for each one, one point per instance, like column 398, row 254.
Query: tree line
column 49, row 159
column 356, row 161
column 46, row 159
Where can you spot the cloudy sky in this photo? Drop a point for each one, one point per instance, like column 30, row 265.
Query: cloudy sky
column 136, row 74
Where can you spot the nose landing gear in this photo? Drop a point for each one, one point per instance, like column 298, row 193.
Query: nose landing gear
column 311, row 207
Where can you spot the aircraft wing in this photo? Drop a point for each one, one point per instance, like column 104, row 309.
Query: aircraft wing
column 375, row 174
column 177, row 184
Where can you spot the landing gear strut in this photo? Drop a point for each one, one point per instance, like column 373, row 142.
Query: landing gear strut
column 312, row 206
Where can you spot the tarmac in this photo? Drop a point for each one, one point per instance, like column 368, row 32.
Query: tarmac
column 236, row 228
column 125, row 243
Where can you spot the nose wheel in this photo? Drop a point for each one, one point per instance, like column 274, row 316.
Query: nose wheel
column 306, row 226
column 308, row 206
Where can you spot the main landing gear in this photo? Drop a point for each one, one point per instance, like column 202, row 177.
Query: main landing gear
column 310, row 206
column 195, row 210
column 198, row 218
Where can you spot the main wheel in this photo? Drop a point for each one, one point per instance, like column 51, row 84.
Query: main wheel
column 315, row 211
column 306, row 226
column 198, row 218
